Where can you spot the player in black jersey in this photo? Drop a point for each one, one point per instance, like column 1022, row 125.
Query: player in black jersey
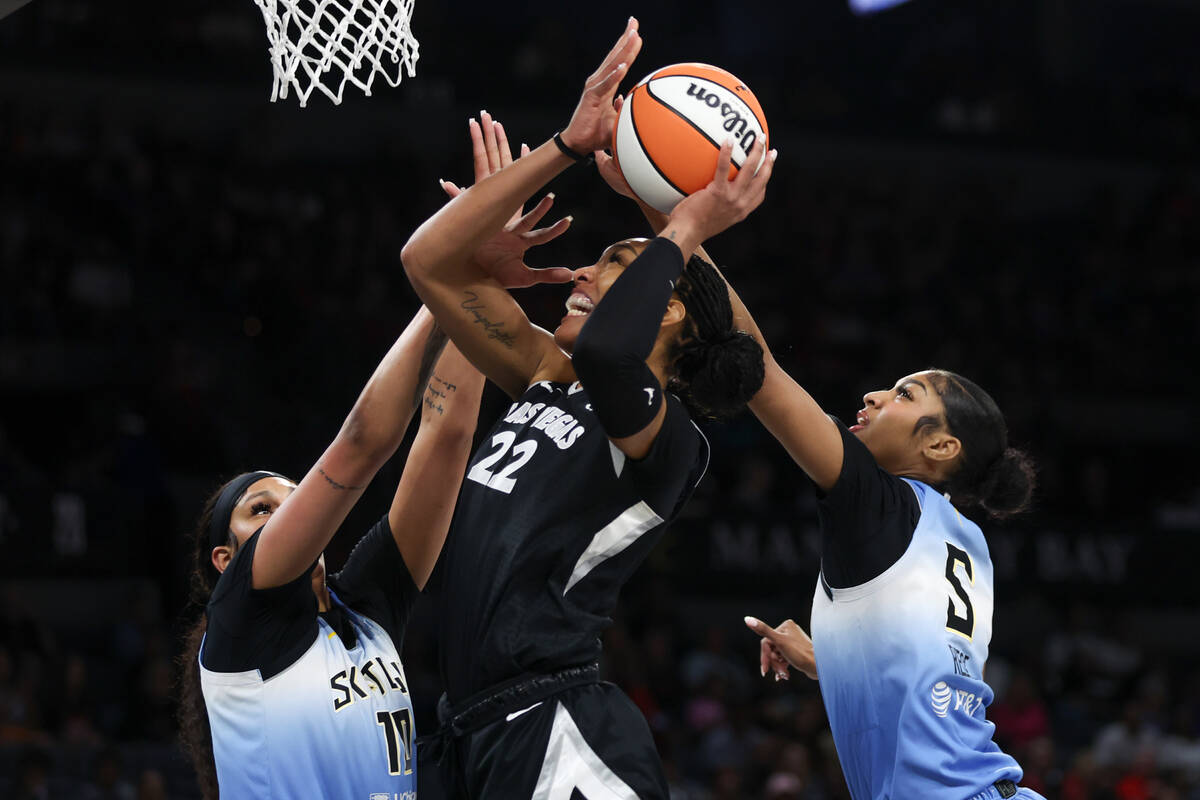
column 270, row 721
column 573, row 485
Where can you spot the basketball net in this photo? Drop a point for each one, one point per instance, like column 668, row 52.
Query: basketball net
column 325, row 44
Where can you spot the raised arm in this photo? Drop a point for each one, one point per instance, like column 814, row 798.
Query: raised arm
column 453, row 258
column 447, row 261
column 424, row 501
column 620, row 334
column 782, row 405
column 301, row 528
column 790, row 413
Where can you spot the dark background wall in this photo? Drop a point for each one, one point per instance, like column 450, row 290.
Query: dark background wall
column 194, row 281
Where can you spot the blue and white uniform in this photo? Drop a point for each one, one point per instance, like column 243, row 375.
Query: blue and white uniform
column 303, row 704
column 901, row 644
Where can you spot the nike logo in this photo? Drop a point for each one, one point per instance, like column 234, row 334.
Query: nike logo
column 650, row 392
column 516, row 714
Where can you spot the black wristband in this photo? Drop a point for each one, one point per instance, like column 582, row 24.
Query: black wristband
column 569, row 153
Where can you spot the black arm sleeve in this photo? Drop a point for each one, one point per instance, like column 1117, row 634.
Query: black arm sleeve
column 376, row 582
column 668, row 474
column 867, row 518
column 263, row 629
column 610, row 354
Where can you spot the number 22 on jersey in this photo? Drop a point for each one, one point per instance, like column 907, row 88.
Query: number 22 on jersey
column 504, row 479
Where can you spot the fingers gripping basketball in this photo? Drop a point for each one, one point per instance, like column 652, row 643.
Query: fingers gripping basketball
column 671, row 126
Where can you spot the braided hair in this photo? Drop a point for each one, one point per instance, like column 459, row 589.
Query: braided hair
column 717, row 369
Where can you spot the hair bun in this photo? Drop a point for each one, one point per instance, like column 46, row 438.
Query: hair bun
column 1007, row 487
column 719, row 376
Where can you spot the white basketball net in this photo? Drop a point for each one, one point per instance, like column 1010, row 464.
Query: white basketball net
column 323, row 44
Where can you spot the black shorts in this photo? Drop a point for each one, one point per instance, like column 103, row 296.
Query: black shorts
column 589, row 738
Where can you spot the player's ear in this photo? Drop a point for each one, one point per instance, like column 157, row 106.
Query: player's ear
column 675, row 313
column 941, row 447
column 221, row 556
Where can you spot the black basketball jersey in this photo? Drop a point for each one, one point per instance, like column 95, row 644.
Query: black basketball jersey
column 551, row 521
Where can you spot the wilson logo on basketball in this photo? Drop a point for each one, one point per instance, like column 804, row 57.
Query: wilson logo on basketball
column 735, row 122
column 670, row 131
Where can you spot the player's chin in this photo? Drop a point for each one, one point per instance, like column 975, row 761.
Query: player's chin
column 567, row 332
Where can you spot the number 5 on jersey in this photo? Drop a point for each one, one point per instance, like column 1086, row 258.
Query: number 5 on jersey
column 962, row 624
column 503, row 481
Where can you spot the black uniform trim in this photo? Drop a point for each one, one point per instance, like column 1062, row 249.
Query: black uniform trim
column 677, row 460
column 867, row 518
column 269, row 629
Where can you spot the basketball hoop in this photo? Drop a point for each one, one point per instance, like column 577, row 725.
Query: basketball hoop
column 325, row 44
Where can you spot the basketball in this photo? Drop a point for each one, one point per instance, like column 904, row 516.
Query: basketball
column 671, row 127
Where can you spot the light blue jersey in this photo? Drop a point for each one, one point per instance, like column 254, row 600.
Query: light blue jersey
column 901, row 661
column 336, row 723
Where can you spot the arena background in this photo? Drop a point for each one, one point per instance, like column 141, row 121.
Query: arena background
column 196, row 281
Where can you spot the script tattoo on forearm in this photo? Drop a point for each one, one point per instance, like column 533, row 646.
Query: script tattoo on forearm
column 437, row 390
column 335, row 484
column 472, row 306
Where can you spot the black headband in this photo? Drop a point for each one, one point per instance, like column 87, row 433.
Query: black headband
column 218, row 527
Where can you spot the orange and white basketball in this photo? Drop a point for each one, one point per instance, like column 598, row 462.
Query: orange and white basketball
column 671, row 127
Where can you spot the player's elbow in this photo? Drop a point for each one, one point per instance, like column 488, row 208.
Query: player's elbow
column 454, row 436
column 410, row 260
column 414, row 258
column 364, row 440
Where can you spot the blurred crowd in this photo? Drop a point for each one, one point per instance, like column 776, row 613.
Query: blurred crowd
column 171, row 317
column 1091, row 715
column 174, row 310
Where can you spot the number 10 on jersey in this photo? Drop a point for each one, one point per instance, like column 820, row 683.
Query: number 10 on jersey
column 398, row 731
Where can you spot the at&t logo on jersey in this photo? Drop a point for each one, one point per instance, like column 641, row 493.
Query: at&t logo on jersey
column 941, row 695
column 940, row 698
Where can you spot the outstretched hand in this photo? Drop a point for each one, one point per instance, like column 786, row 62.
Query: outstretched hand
column 503, row 256
column 786, row 645
column 591, row 125
column 725, row 201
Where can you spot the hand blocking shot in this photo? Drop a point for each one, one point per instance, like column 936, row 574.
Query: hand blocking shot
column 293, row 683
column 574, row 484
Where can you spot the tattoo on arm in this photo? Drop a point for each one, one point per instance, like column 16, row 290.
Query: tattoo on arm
column 433, row 350
column 472, row 306
column 335, row 484
column 437, row 390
